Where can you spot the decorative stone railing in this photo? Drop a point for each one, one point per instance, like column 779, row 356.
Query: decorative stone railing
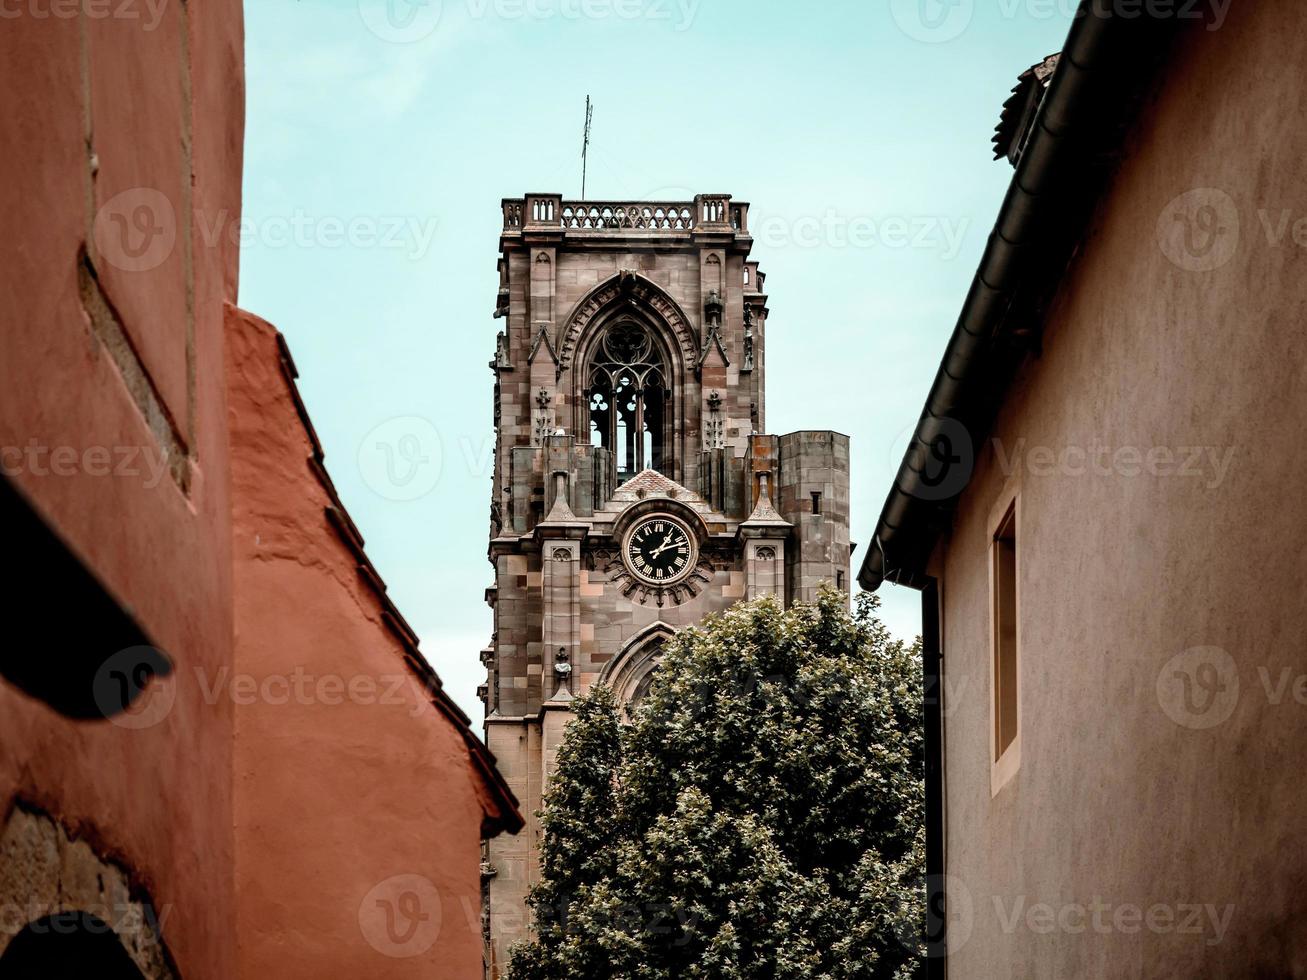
column 708, row 212
column 601, row 215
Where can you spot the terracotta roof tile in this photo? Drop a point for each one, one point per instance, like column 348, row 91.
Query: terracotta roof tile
column 651, row 481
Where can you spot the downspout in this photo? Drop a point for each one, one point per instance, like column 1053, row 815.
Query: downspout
column 933, row 689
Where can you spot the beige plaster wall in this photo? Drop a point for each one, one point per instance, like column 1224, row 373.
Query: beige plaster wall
column 1128, row 796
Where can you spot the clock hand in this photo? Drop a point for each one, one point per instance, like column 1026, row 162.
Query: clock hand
column 667, row 543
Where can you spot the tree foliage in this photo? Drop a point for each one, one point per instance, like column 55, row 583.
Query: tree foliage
column 760, row 818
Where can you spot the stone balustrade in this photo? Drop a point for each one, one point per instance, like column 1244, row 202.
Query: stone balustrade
column 707, row 212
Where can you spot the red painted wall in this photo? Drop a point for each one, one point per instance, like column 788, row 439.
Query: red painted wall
column 273, row 838
column 355, row 796
column 95, row 108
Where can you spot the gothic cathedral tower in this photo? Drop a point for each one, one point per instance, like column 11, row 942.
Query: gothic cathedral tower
column 634, row 489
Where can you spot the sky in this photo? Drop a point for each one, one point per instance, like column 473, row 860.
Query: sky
column 381, row 136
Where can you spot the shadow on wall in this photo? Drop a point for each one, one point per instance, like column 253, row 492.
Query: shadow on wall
column 72, row 645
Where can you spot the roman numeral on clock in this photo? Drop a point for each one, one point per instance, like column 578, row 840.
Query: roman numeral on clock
column 658, row 551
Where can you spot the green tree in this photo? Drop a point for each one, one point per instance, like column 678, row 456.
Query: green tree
column 760, row 818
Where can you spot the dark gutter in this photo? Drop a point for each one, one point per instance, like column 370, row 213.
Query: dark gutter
column 1075, row 140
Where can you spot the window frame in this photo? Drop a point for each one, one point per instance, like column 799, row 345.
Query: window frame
column 651, row 447
column 1005, row 764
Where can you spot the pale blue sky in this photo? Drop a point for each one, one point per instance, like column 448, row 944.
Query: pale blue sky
column 380, row 140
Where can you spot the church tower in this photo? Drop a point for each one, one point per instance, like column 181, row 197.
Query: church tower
column 634, row 490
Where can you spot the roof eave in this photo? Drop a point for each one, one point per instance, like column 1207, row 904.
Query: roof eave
column 1078, row 126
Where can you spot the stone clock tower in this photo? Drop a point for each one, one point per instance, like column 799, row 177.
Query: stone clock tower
column 634, row 490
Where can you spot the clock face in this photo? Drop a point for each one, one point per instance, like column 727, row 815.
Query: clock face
column 659, row 551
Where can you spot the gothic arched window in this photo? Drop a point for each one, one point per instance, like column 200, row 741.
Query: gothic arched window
column 628, row 397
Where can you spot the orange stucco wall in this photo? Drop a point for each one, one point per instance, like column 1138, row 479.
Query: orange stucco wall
column 354, row 795
column 1126, row 795
column 94, row 108
column 274, row 828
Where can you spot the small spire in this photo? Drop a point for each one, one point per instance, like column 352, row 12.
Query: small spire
column 560, row 513
column 764, row 514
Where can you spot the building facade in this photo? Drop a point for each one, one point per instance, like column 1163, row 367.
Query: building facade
column 222, row 754
column 634, row 489
column 1103, row 513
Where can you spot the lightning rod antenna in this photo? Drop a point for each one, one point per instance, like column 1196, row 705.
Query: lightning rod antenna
column 585, row 142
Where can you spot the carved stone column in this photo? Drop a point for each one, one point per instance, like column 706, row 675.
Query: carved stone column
column 559, row 536
column 763, row 536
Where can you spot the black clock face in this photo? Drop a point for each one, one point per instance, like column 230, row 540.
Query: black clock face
column 659, row 551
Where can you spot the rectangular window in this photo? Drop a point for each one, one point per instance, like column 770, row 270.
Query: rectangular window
column 816, row 501
column 1004, row 617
